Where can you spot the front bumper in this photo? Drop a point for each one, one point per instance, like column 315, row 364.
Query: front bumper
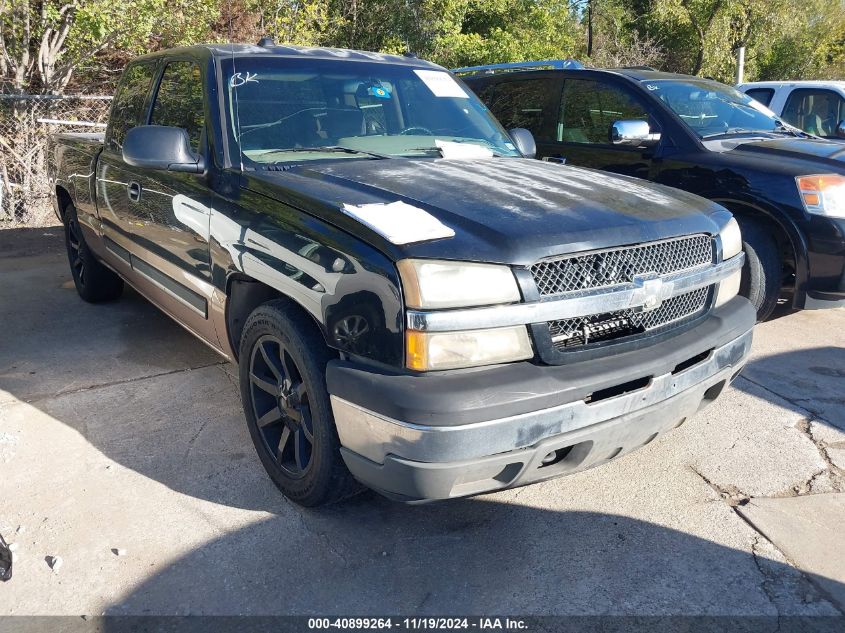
column 441, row 436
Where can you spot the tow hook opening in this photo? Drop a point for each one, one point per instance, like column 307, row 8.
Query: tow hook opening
column 555, row 457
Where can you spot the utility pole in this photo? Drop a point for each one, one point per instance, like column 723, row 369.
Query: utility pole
column 740, row 65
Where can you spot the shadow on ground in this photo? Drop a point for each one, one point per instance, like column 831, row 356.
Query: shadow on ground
column 471, row 556
column 367, row 555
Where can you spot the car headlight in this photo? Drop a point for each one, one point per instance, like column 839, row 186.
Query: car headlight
column 428, row 283
column 428, row 351
column 731, row 238
column 823, row 194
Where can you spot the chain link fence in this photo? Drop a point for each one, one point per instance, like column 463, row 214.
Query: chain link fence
column 25, row 123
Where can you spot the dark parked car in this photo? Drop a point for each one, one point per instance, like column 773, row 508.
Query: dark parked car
column 411, row 303
column 787, row 190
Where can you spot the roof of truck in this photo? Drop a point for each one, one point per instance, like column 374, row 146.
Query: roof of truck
column 295, row 52
column 803, row 83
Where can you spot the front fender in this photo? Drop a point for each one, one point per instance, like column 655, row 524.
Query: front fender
column 350, row 289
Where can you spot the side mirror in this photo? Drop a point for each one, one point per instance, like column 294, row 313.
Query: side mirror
column 161, row 147
column 633, row 133
column 524, row 141
column 840, row 129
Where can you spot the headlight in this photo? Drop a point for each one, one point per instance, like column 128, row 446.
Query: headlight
column 823, row 195
column 731, row 239
column 429, row 283
column 427, row 351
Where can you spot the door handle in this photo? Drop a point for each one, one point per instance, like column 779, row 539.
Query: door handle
column 133, row 191
column 555, row 159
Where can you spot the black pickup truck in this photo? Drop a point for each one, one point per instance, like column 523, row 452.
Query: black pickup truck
column 412, row 304
column 786, row 188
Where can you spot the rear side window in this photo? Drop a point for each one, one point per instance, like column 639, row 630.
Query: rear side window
column 590, row 108
column 127, row 108
column 763, row 95
column 522, row 103
column 816, row 111
column 179, row 102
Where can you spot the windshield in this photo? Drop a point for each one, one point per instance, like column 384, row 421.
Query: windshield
column 284, row 110
column 712, row 109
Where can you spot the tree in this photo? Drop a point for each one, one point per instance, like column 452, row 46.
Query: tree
column 43, row 42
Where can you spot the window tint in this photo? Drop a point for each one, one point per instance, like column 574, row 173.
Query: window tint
column 179, row 100
column 589, row 109
column 763, row 95
column 522, row 103
column 815, row 111
column 129, row 102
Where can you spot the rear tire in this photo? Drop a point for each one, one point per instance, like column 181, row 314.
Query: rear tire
column 282, row 367
column 94, row 282
column 762, row 273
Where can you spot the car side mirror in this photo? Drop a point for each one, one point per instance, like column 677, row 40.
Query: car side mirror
column 161, row 147
column 524, row 141
column 633, row 133
column 840, row 129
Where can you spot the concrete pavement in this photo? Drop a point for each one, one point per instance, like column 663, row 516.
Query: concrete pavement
column 119, row 431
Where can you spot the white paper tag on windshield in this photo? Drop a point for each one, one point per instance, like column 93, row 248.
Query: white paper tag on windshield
column 449, row 149
column 399, row 222
column 441, row 84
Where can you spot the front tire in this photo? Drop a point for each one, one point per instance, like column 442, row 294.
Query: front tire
column 283, row 388
column 762, row 274
column 94, row 282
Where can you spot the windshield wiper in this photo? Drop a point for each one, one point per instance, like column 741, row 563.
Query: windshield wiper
column 735, row 130
column 333, row 149
column 793, row 131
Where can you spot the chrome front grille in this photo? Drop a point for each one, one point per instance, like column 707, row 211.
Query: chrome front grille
column 615, row 267
column 620, row 266
column 579, row 331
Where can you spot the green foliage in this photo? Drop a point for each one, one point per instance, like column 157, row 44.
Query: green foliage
column 785, row 39
column 510, row 30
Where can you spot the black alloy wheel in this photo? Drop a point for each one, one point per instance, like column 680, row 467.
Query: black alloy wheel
column 282, row 372
column 281, row 406
column 94, row 282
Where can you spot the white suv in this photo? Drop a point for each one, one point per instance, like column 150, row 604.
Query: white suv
column 817, row 107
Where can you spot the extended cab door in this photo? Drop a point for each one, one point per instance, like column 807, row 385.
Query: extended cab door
column 588, row 109
column 116, row 181
column 172, row 210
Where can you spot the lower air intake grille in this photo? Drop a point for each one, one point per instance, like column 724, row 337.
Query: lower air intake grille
column 579, row 331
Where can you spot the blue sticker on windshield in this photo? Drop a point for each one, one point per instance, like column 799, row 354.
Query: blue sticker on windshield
column 379, row 92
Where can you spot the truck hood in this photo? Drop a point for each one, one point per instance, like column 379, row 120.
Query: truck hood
column 506, row 210
column 831, row 153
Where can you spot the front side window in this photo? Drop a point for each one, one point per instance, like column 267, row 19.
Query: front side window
column 763, row 95
column 815, row 111
column 283, row 110
column 521, row 103
column 127, row 108
column 179, row 101
column 589, row 109
column 712, row 110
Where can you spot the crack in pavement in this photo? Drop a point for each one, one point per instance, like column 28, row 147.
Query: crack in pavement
column 765, row 585
column 836, row 474
column 735, row 498
column 113, row 383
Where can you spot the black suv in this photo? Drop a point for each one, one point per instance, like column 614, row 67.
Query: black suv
column 786, row 188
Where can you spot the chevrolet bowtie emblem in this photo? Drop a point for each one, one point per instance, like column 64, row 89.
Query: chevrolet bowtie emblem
column 650, row 293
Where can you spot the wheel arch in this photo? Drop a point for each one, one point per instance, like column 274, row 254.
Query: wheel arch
column 63, row 201
column 243, row 295
column 789, row 239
